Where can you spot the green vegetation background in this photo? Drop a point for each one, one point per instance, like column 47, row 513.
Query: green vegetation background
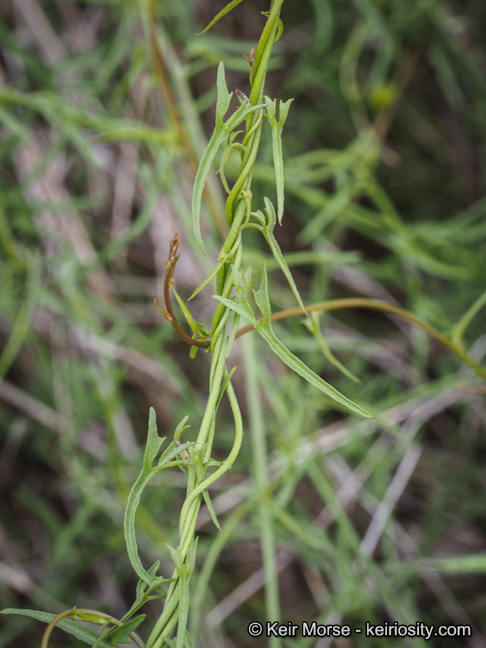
column 100, row 135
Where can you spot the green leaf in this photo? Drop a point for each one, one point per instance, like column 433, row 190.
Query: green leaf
column 143, row 591
column 203, row 170
column 185, row 311
column 276, row 126
column 223, row 96
column 242, row 308
column 294, row 363
column 413, row 249
column 211, row 510
column 148, row 471
column 171, row 453
column 303, row 370
column 262, row 299
column 175, row 556
column 264, row 50
column 154, row 442
column 181, row 427
column 474, row 565
column 77, row 630
column 312, row 324
column 129, row 524
column 121, row 634
column 221, row 14
column 279, row 31
column 276, row 251
column 132, row 131
column 225, row 383
column 222, row 259
column 218, row 138
column 90, row 617
column 14, row 124
column 457, row 331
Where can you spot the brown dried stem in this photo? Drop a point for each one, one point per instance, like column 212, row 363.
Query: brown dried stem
column 168, row 281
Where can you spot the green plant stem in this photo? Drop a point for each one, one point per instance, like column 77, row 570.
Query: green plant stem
column 360, row 302
column 190, row 509
column 263, row 52
column 237, row 209
column 81, row 612
column 260, row 475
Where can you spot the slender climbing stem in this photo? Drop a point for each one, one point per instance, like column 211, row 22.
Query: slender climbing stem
column 360, row 302
column 86, row 615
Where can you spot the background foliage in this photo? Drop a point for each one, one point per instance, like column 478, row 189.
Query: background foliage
column 384, row 147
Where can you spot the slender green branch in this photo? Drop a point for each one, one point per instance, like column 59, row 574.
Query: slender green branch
column 254, row 387
column 360, row 302
column 92, row 616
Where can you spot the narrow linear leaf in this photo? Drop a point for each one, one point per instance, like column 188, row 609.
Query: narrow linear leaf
column 180, row 428
column 129, row 524
column 154, row 442
column 262, row 299
column 222, row 259
column 223, row 96
column 79, row 631
column 292, row 361
column 121, row 634
column 242, row 309
column 218, row 138
column 474, row 565
column 175, row 556
column 224, row 384
column 22, row 320
column 303, row 370
column 276, row 126
column 240, row 115
column 185, row 311
column 171, row 453
column 221, row 14
column 128, row 133
column 459, row 328
column 277, row 252
column 90, row 616
column 153, row 445
column 279, row 31
column 143, row 592
column 264, row 50
column 312, row 325
column 211, row 510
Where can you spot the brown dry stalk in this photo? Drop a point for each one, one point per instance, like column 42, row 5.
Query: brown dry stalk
column 168, row 281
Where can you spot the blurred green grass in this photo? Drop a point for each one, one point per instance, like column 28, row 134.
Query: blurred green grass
column 384, row 149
